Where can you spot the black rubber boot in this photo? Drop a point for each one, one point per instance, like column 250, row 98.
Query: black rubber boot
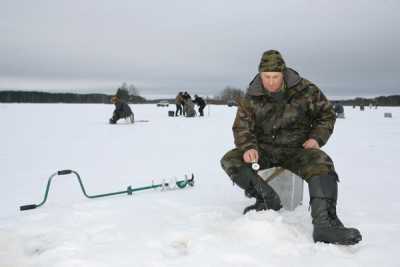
column 255, row 186
column 332, row 214
column 327, row 226
column 260, row 205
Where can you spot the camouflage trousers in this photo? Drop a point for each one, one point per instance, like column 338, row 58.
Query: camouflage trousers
column 305, row 163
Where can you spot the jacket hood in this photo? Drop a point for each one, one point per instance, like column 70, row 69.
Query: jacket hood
column 290, row 76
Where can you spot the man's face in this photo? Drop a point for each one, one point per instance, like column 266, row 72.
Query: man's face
column 272, row 81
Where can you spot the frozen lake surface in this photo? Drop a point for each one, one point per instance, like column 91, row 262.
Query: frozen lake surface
column 199, row 226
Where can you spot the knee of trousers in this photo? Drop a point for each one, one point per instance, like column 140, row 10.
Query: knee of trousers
column 316, row 163
column 231, row 161
column 233, row 164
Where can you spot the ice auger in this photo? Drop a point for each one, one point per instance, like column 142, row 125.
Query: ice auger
column 164, row 185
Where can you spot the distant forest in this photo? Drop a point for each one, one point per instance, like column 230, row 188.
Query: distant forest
column 393, row 100
column 45, row 97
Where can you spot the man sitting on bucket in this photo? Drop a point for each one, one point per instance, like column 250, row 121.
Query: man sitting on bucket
column 283, row 120
column 122, row 110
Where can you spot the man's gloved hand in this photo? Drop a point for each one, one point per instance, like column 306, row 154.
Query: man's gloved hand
column 311, row 143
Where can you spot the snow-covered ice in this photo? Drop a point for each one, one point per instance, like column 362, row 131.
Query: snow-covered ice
column 199, row 226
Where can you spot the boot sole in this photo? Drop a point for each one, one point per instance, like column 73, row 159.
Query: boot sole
column 351, row 239
column 347, row 242
column 253, row 207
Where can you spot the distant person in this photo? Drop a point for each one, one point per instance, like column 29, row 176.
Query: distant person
column 179, row 104
column 282, row 121
column 339, row 110
column 188, row 107
column 201, row 103
column 122, row 111
column 185, row 97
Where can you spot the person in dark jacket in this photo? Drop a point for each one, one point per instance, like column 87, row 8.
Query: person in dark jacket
column 339, row 110
column 122, row 111
column 282, row 121
column 186, row 95
column 201, row 103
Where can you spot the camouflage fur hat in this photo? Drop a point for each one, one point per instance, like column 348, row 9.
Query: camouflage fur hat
column 271, row 60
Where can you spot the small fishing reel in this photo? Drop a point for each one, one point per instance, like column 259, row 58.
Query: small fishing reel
column 255, row 166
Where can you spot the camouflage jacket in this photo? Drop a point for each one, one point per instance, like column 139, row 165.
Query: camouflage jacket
column 285, row 119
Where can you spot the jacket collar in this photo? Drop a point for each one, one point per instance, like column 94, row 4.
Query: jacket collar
column 291, row 80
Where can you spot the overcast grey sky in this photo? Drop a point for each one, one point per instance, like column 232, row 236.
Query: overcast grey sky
column 345, row 47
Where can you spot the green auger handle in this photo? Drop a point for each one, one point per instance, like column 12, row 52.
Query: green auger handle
column 34, row 206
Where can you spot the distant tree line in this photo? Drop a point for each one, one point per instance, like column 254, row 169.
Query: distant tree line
column 128, row 93
column 230, row 93
column 393, row 100
column 45, row 97
column 131, row 95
